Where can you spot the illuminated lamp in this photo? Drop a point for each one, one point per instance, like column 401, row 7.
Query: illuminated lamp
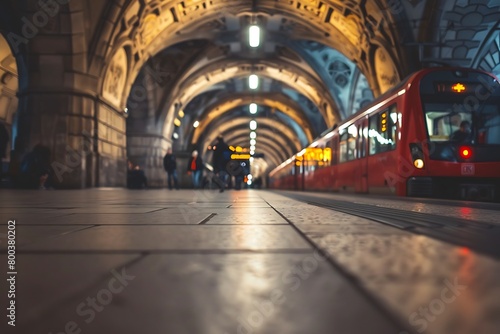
column 458, row 88
column 418, row 163
column 465, row 152
column 253, row 81
column 254, row 36
column 253, row 108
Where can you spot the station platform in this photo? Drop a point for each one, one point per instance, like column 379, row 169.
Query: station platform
column 252, row 261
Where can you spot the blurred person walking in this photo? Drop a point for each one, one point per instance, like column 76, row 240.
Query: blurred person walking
column 221, row 158
column 195, row 168
column 170, row 166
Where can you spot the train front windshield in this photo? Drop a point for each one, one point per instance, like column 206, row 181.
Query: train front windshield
column 462, row 107
column 453, row 122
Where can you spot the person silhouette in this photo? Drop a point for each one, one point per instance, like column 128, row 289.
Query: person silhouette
column 170, row 166
column 463, row 133
column 221, row 158
column 195, row 168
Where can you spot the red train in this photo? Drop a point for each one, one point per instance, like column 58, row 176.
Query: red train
column 437, row 134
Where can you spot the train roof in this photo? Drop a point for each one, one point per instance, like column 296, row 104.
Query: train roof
column 395, row 90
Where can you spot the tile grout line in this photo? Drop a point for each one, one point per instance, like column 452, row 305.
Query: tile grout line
column 204, row 221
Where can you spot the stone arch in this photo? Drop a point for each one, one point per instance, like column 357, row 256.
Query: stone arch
column 225, row 106
column 195, row 84
column 488, row 56
column 177, row 21
column 282, row 134
column 457, row 30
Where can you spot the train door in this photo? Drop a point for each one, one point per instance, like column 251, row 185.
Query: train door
column 361, row 183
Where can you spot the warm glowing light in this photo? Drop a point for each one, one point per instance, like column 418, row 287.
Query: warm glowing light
column 196, row 124
column 253, row 81
column 254, row 36
column 253, row 108
column 419, row 163
column 240, row 156
column 463, row 251
column 353, row 131
column 176, row 135
column 249, row 182
column 253, row 142
column 239, row 149
column 252, row 148
column 458, row 88
column 253, row 125
column 465, row 152
column 253, row 135
column 181, row 113
column 252, row 152
column 177, row 122
column 250, row 177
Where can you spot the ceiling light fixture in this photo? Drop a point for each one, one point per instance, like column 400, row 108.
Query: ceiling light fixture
column 254, row 36
column 253, row 81
column 253, row 108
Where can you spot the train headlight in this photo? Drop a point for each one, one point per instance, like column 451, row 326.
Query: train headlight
column 418, row 163
column 417, row 155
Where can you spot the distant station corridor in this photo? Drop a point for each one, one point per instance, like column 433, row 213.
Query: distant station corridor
column 199, row 262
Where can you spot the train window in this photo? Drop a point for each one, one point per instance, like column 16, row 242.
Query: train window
column 343, row 147
column 362, row 135
column 382, row 131
column 351, row 142
column 334, row 146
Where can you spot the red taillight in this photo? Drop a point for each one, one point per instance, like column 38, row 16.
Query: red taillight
column 465, row 152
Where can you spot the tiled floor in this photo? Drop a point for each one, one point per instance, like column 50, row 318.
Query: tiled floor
column 158, row 261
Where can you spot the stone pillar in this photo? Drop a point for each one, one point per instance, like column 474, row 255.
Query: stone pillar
column 147, row 151
column 63, row 122
column 110, row 147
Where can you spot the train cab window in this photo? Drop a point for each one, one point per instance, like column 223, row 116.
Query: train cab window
column 455, row 123
column 382, row 131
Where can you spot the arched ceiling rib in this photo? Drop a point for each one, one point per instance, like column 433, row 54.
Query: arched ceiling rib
column 220, row 71
column 282, row 143
column 276, row 101
column 282, row 132
column 350, row 29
